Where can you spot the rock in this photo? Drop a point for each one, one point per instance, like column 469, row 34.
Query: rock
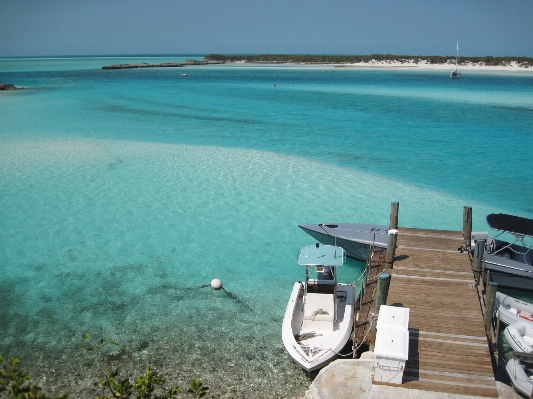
column 9, row 87
column 506, row 392
column 352, row 379
column 344, row 379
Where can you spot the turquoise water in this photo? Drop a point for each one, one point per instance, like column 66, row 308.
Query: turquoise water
column 122, row 191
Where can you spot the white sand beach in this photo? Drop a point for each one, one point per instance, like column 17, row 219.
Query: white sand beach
column 511, row 67
column 423, row 64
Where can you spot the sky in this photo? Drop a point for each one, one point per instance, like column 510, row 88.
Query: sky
column 349, row 27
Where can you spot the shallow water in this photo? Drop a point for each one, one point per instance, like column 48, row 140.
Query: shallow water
column 123, row 191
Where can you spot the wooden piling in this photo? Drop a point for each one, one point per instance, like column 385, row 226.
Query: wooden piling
column 490, row 298
column 467, row 225
column 382, row 291
column 394, row 208
column 381, row 298
column 479, row 252
column 391, row 248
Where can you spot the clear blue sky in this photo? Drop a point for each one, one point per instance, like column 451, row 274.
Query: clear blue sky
column 413, row 27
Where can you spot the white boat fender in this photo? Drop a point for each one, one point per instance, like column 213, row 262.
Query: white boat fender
column 216, row 284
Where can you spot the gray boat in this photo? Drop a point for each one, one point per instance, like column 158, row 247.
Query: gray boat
column 510, row 263
column 520, row 371
column 355, row 238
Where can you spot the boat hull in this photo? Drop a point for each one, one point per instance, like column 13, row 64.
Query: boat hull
column 519, row 377
column 316, row 353
column 518, row 335
column 355, row 238
column 504, row 304
column 509, row 273
column 455, row 75
column 510, row 264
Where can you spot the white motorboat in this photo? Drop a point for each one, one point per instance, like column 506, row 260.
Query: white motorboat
column 318, row 321
column 520, row 370
column 520, row 336
column 512, row 310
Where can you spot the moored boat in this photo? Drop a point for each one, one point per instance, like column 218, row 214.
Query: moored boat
column 510, row 264
column 520, row 371
column 520, row 336
column 511, row 310
column 454, row 74
column 319, row 317
column 355, row 238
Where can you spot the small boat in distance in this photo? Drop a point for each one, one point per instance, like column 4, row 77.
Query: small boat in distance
column 183, row 74
column 318, row 320
column 454, row 74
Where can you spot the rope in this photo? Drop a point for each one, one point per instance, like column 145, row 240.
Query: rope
column 465, row 236
column 317, row 312
column 307, row 335
column 360, row 277
column 374, row 318
column 364, row 273
column 365, row 337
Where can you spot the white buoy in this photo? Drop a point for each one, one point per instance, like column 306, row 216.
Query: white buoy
column 216, row 284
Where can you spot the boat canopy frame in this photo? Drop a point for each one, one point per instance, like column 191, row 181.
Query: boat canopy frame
column 320, row 256
column 518, row 226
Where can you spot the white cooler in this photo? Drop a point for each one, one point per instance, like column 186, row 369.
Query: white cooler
column 391, row 350
column 393, row 317
column 392, row 344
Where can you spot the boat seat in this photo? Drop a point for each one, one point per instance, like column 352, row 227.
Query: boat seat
column 319, row 307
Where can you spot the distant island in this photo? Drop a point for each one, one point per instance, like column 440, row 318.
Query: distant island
column 162, row 65
column 344, row 61
column 523, row 62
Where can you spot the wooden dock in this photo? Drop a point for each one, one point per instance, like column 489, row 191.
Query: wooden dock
column 448, row 347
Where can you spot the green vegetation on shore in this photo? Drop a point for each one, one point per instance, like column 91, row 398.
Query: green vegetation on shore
column 16, row 384
column 352, row 59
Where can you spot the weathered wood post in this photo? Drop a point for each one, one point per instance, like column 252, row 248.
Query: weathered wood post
column 479, row 253
column 490, row 298
column 381, row 299
column 394, row 208
column 382, row 291
column 391, row 248
column 467, row 225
